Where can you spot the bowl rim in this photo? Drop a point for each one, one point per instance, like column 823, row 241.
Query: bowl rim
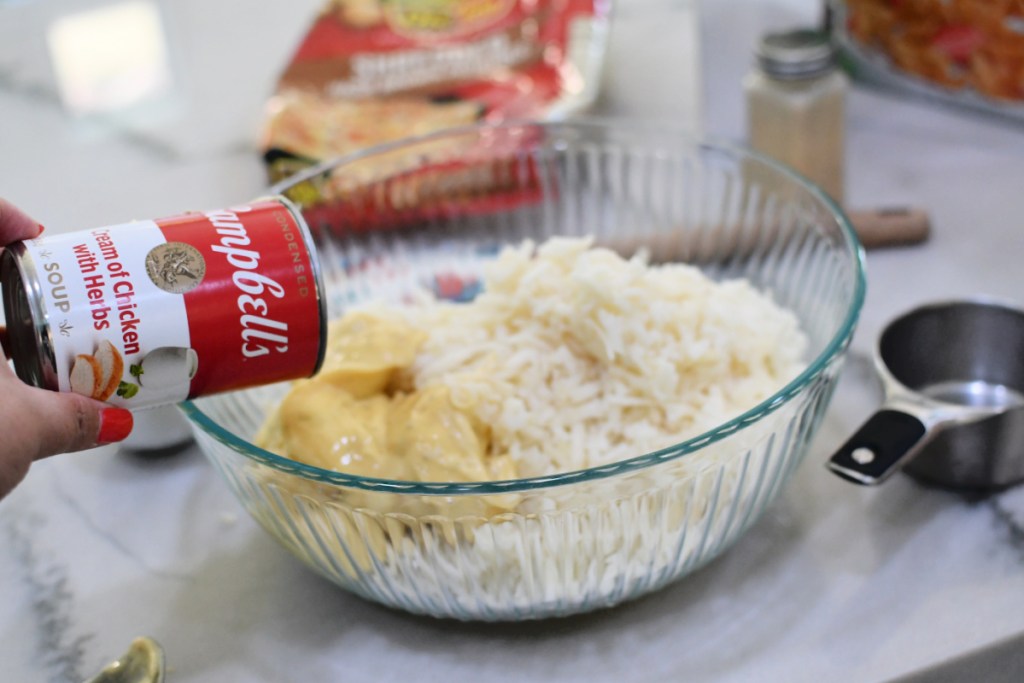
column 839, row 341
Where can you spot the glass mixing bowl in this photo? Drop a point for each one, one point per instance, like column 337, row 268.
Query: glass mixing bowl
column 430, row 212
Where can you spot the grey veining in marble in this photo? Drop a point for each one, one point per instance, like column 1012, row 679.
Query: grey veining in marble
column 43, row 579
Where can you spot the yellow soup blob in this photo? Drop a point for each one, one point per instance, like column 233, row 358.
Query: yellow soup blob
column 353, row 418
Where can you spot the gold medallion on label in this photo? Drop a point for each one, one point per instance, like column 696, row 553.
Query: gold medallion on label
column 175, row 267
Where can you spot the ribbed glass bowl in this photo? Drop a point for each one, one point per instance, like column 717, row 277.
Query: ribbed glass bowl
column 430, row 212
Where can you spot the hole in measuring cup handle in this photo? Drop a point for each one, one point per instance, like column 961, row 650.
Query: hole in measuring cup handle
column 875, row 451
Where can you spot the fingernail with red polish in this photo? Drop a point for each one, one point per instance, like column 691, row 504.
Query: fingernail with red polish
column 41, row 228
column 115, row 425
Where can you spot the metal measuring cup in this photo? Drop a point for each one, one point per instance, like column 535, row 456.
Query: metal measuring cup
column 953, row 414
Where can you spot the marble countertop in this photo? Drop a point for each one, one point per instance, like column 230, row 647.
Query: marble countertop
column 835, row 582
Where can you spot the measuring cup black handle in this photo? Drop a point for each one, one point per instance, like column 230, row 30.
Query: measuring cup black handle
column 886, row 440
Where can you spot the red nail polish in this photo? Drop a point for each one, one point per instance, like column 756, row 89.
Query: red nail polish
column 115, row 425
column 41, row 228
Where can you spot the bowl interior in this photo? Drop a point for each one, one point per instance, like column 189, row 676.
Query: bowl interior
column 429, row 213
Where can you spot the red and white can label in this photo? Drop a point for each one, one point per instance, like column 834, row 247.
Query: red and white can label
column 155, row 312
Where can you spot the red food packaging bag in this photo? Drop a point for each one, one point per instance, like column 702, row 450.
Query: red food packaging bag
column 373, row 71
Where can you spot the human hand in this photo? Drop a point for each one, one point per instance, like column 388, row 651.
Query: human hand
column 36, row 423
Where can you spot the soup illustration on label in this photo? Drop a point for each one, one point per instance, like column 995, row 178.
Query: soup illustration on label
column 155, row 312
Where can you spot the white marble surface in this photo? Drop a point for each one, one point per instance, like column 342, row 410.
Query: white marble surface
column 835, row 583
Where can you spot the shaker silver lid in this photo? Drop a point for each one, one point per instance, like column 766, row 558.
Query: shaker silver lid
column 796, row 55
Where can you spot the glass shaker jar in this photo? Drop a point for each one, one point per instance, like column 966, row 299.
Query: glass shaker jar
column 796, row 101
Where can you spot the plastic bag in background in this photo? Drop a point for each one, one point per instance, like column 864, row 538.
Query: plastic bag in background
column 962, row 52
column 373, row 71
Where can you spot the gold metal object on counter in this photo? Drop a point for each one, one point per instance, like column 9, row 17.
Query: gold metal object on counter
column 142, row 663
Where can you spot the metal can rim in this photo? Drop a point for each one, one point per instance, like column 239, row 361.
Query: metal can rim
column 318, row 278
column 19, row 279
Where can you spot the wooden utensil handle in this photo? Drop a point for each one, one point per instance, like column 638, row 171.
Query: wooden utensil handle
column 890, row 227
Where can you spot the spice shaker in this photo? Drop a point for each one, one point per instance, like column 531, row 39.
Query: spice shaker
column 796, row 100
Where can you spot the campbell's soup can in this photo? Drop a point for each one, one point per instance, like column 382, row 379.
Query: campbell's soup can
column 155, row 312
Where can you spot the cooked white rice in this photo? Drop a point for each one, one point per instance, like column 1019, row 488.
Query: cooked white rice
column 577, row 357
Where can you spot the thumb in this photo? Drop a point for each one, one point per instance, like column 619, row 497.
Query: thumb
column 65, row 422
